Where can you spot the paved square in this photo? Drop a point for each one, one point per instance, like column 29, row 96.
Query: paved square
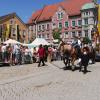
column 28, row 82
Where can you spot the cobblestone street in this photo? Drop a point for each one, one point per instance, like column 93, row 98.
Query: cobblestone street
column 51, row 82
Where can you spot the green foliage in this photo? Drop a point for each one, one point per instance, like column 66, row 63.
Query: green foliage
column 56, row 34
column 86, row 40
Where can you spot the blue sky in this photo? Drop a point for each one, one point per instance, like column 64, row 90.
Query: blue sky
column 23, row 8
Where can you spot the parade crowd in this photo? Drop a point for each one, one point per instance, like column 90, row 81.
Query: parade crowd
column 17, row 54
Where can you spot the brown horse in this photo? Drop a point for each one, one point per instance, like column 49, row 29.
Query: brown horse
column 69, row 54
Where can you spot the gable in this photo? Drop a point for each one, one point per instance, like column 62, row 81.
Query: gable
column 72, row 7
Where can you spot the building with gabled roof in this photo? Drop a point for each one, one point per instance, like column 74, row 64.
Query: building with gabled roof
column 66, row 16
column 11, row 26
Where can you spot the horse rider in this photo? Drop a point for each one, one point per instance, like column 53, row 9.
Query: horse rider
column 77, row 44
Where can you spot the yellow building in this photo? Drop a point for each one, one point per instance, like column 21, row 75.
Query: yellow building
column 11, row 26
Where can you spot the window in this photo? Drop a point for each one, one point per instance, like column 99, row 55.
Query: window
column 79, row 33
column 65, row 34
column 79, row 22
column 66, row 24
column 86, row 21
column 43, row 27
column 23, row 33
column 30, row 27
column 12, row 21
column 86, row 13
column 86, row 33
column 89, row 13
column 48, row 27
column 43, row 36
column 60, row 15
column 39, row 35
column 47, row 35
column 73, row 23
column 54, row 24
column 60, row 25
column 73, row 34
column 13, row 30
column 39, row 27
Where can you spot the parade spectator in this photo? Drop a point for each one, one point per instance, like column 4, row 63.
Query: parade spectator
column 41, row 52
column 46, row 52
column 22, row 54
column 9, row 53
column 34, row 55
column 54, row 53
column 18, row 54
column 4, row 55
column 13, row 54
column 50, row 53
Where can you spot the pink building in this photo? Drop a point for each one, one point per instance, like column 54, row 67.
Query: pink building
column 64, row 15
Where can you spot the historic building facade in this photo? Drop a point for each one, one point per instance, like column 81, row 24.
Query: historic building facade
column 89, row 19
column 73, row 19
column 11, row 26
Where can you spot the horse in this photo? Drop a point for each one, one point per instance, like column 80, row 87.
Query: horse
column 70, row 54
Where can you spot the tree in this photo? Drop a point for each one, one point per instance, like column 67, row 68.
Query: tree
column 56, row 34
column 86, row 40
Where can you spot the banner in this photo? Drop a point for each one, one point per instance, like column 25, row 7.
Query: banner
column 7, row 31
column 18, row 33
column 4, row 32
column 10, row 28
column 1, row 31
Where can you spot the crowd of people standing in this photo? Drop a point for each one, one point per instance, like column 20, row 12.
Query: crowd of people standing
column 17, row 54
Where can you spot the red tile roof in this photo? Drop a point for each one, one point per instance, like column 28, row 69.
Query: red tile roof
column 72, row 7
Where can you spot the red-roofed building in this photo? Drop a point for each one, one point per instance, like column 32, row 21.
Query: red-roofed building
column 66, row 15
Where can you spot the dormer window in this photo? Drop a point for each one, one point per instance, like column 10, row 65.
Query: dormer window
column 60, row 15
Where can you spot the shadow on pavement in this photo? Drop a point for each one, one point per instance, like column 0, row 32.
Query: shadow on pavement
column 4, row 64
